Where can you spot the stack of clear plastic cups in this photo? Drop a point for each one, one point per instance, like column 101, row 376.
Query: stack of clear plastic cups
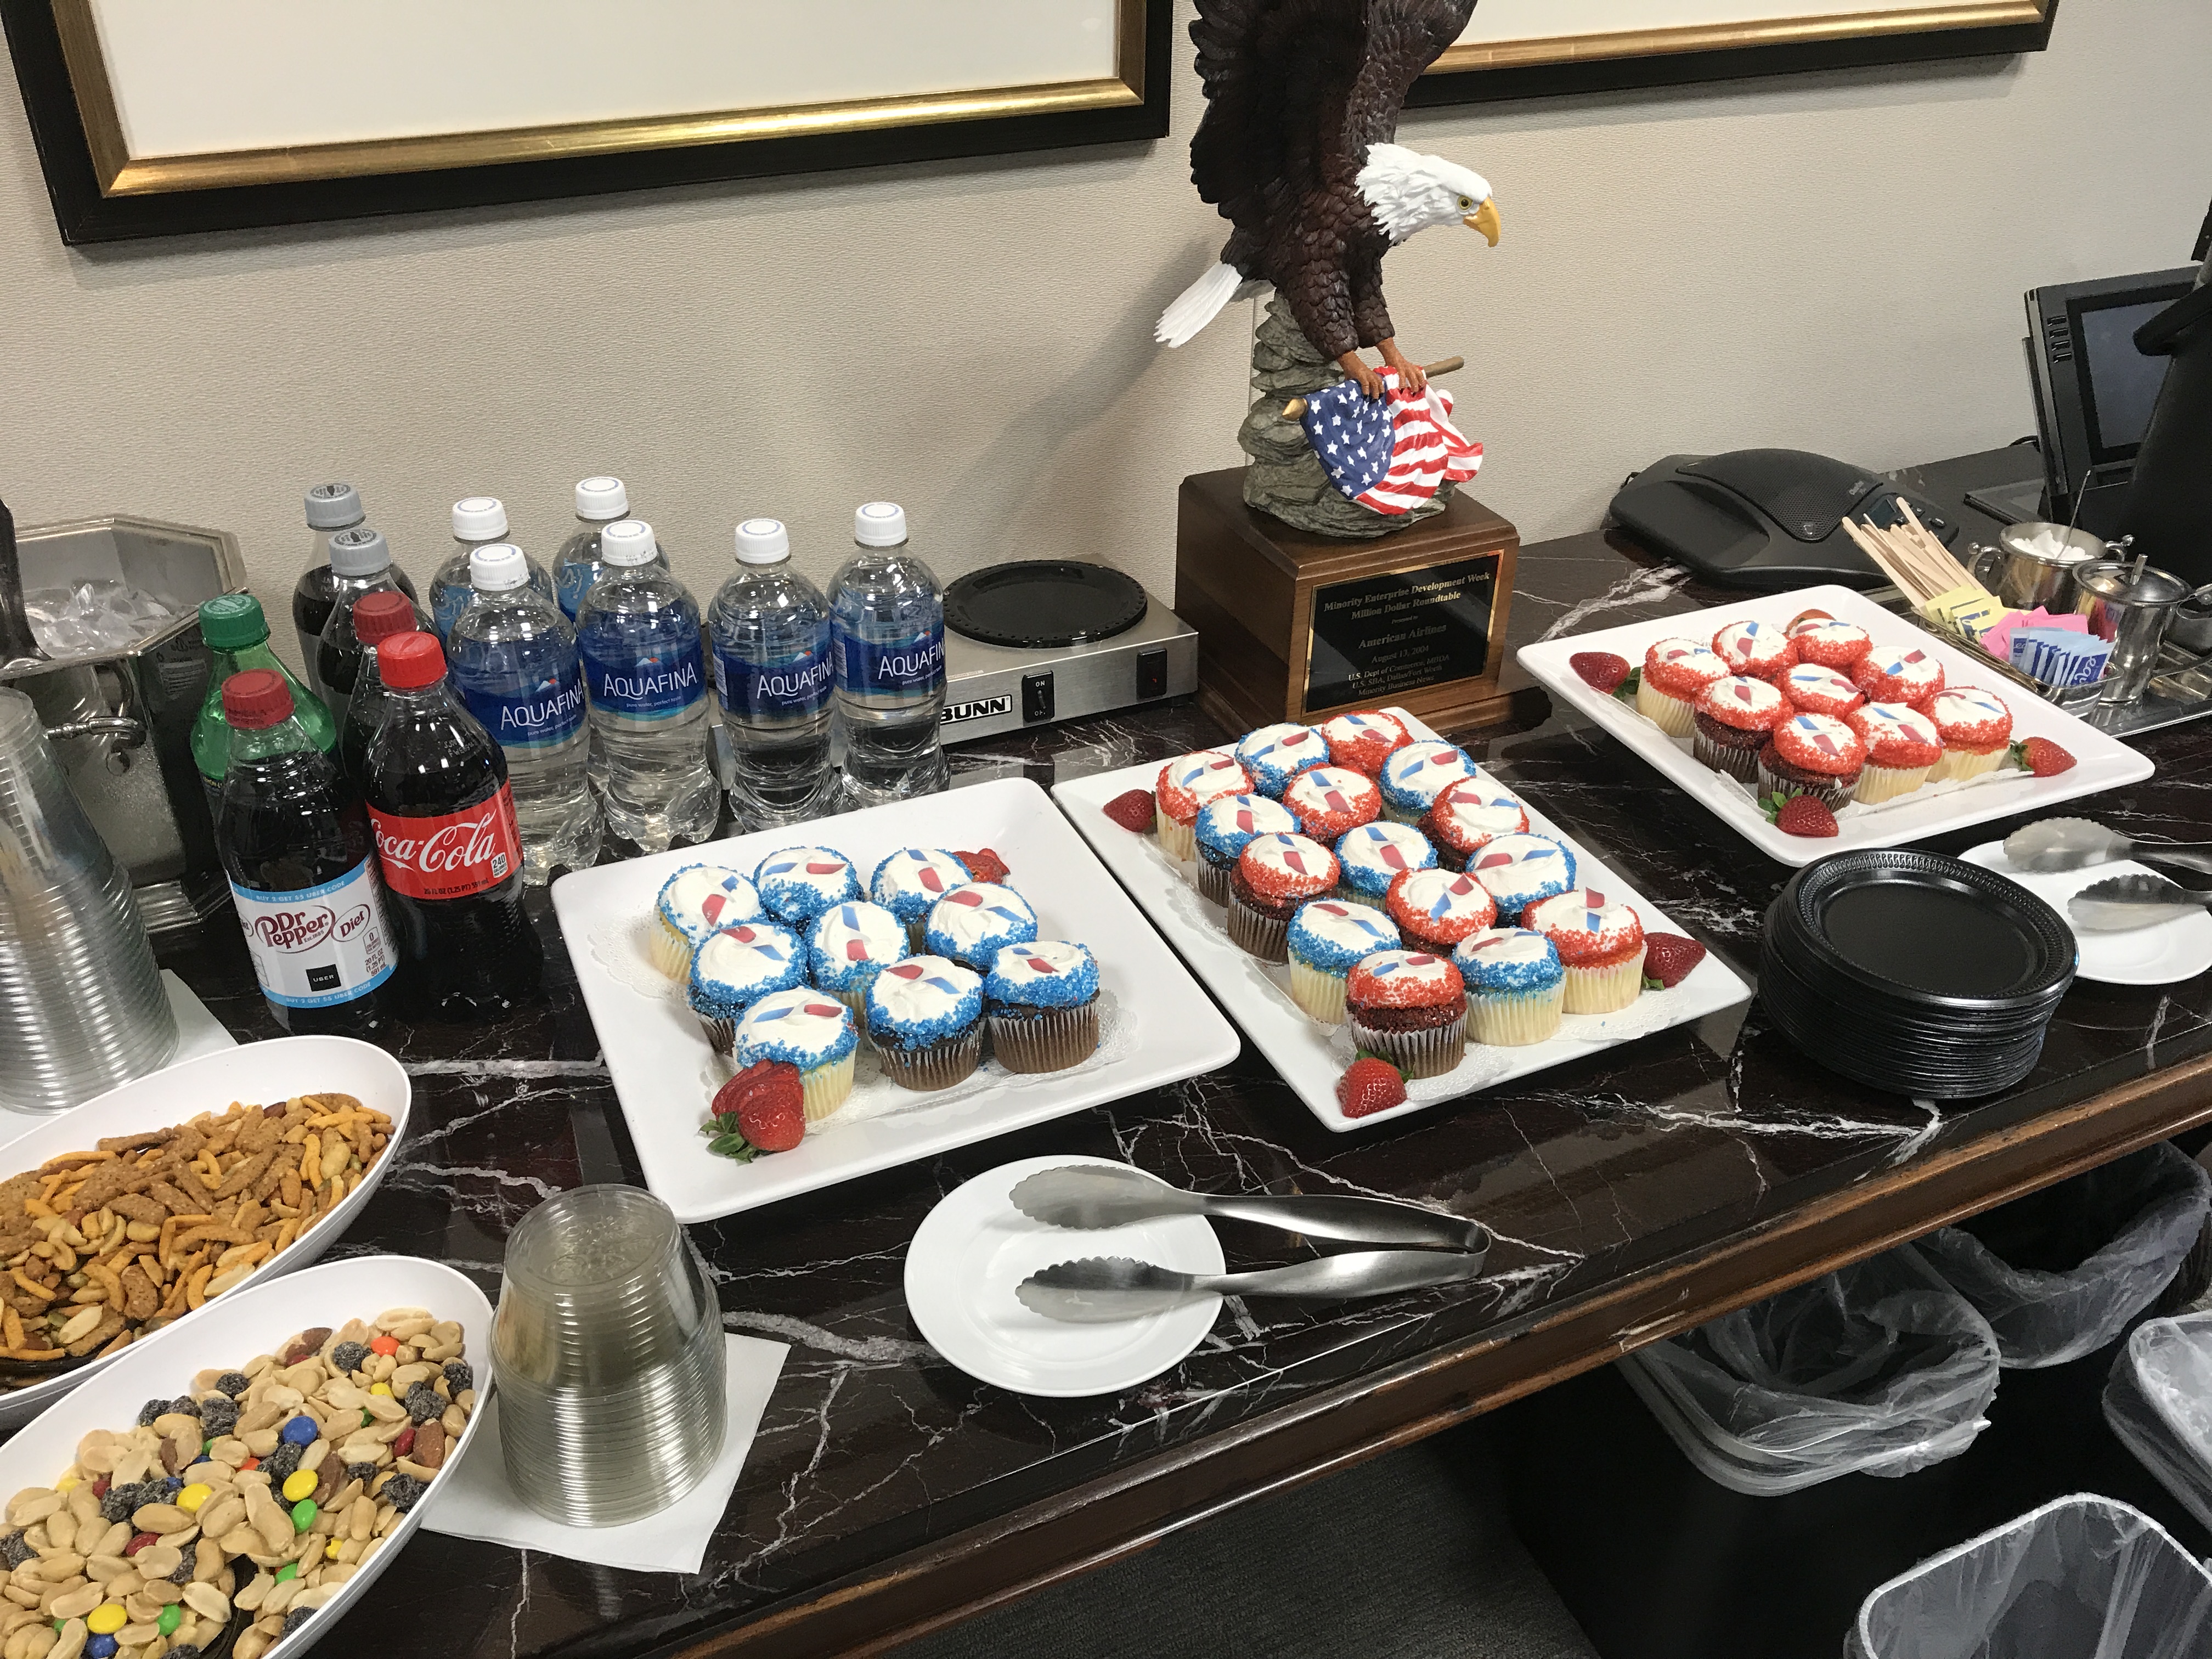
column 608, row 1352
column 82, row 1004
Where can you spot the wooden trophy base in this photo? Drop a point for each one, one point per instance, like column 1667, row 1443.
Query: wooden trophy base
column 1293, row 626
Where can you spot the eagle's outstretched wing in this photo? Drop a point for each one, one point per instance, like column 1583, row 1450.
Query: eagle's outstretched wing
column 1404, row 37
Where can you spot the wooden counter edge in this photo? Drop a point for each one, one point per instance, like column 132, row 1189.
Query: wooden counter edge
column 1128, row 1509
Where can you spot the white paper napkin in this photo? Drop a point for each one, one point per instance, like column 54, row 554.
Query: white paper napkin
column 475, row 1501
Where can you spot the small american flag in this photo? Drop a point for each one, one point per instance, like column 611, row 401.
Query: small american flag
column 1392, row 452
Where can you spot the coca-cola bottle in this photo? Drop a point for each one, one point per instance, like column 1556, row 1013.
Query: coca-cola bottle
column 445, row 835
column 375, row 619
column 295, row 845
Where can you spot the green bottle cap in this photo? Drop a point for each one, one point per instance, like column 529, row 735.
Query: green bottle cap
column 232, row 621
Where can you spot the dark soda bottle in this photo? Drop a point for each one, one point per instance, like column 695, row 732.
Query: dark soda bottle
column 295, row 845
column 363, row 564
column 443, row 817
column 330, row 507
column 376, row 618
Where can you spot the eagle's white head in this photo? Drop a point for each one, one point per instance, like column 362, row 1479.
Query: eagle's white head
column 1409, row 191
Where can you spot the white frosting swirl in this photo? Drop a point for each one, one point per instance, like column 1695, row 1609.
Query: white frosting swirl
column 980, row 910
column 1294, row 856
column 860, row 932
column 923, row 988
column 1444, row 896
column 707, row 897
column 801, row 1020
column 1385, row 848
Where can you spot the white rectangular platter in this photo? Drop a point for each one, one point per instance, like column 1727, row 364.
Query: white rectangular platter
column 1157, row 1025
column 2101, row 762
column 1312, row 1056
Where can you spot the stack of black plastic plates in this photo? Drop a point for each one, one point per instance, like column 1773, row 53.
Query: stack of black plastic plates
column 1915, row 973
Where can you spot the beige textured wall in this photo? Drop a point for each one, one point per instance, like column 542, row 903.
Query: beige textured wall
column 1832, row 261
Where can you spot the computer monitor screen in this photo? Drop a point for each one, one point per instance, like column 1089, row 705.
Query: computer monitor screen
column 2119, row 383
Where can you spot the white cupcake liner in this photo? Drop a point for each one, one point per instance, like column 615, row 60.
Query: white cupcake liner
column 1958, row 765
column 669, row 950
column 1671, row 714
column 1514, row 1019
column 1178, row 841
column 825, row 1088
column 1605, row 990
column 1881, row 783
column 1318, row 993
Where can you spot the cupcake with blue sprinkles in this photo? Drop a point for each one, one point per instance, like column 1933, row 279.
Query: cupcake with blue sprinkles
column 910, row 881
column 736, row 969
column 1225, row 828
column 1415, row 775
column 926, row 1019
column 800, row 883
column 973, row 924
column 1516, row 987
column 851, row 944
column 1327, row 936
column 1041, row 1001
column 804, row 1028
column 694, row 905
column 1521, row 871
column 1376, row 854
column 1274, row 755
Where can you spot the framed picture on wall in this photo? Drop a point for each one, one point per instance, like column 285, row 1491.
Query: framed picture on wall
column 1538, row 48
column 153, row 118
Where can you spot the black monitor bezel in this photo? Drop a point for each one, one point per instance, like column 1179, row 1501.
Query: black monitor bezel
column 2071, row 449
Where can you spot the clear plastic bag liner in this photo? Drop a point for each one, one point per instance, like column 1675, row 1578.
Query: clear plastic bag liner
column 2159, row 1403
column 1877, row 1369
column 2129, row 1223
column 2084, row 1578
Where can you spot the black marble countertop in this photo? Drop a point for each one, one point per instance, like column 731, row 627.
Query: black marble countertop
column 873, row 1448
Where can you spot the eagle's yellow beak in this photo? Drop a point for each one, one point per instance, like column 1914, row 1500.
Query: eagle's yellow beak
column 1485, row 219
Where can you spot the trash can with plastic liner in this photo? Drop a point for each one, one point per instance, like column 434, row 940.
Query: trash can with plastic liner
column 2159, row 1405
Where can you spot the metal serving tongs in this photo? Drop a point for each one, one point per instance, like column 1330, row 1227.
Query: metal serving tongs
column 1100, row 1290
column 1092, row 1195
column 2051, row 845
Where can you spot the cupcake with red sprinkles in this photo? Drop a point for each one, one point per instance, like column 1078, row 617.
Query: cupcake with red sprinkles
column 1225, row 828
column 1329, row 800
column 1763, row 650
column 1410, row 1007
column 1364, row 740
column 1274, row 875
column 1819, row 690
column 1185, row 785
column 1375, row 854
column 1274, row 755
column 1826, row 643
column 1520, row 869
column 1600, row 945
column 1734, row 719
column 1415, row 775
column 1327, row 938
column 1902, row 747
column 1674, row 672
column 1435, row 909
column 1812, row 754
column 1976, row 729
column 1468, row 817
column 1894, row 674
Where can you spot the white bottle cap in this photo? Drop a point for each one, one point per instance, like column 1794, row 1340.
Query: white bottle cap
column 496, row 567
column 879, row 524
column 628, row 544
column 762, row 541
column 359, row 551
column 334, row 507
column 479, row 518
column 601, row 498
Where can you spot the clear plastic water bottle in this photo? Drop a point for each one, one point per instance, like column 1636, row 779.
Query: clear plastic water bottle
column 644, row 675
column 577, row 564
column 479, row 521
column 769, row 628
column 887, row 647
column 514, row 659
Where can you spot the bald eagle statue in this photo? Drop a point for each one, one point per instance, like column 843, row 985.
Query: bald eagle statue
column 1297, row 151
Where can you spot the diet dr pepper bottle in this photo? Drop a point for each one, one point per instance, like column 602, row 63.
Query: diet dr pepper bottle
column 443, row 815
column 295, row 846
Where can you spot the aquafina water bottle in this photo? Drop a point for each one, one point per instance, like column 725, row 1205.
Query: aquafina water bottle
column 514, row 659
column 769, row 628
column 576, row 565
column 479, row 521
column 887, row 647
column 645, row 676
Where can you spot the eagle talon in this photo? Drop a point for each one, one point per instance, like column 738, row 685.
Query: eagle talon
column 1411, row 377
column 1352, row 364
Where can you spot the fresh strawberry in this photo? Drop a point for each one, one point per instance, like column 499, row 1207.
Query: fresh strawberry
column 1601, row 670
column 761, row 1109
column 2041, row 756
column 984, row 865
column 1135, row 811
column 1807, row 616
column 1667, row 959
column 1370, row 1085
column 1804, row 815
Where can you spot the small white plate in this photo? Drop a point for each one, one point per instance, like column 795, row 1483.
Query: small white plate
column 232, row 1330
column 2177, row 950
column 973, row 1249
column 2100, row 762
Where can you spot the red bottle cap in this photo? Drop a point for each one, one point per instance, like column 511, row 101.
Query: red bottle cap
column 256, row 699
column 410, row 661
column 380, row 616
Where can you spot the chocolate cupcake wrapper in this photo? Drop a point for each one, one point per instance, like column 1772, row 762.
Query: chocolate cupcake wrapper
column 1178, row 841
column 1319, row 993
column 825, row 1089
column 939, row 1065
column 670, row 952
column 721, row 1035
column 1211, row 881
column 1605, row 990
column 857, row 1001
column 1742, row 764
column 1834, row 795
column 1672, row 715
column 1514, row 1019
column 1959, row 764
column 1257, row 935
column 1046, row 1040
column 1880, row 783
column 1428, row 1053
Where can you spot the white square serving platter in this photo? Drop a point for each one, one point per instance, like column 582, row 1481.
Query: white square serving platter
column 1164, row 1027
column 1312, row 1056
column 2101, row 762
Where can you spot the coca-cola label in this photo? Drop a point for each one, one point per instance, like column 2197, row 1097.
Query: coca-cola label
column 319, row 945
column 654, row 685
column 449, row 855
column 537, row 717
